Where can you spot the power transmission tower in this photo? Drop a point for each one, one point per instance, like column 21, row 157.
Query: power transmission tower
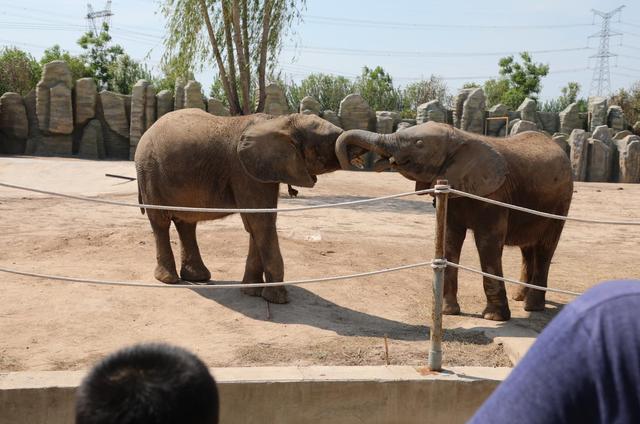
column 601, row 82
column 94, row 16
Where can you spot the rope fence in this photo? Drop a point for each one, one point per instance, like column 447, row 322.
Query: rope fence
column 441, row 192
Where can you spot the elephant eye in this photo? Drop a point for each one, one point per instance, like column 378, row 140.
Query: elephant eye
column 419, row 143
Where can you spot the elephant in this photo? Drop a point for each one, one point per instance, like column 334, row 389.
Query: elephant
column 192, row 158
column 527, row 170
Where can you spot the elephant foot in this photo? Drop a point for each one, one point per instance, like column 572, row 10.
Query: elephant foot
column 520, row 294
column 534, row 301
column 494, row 312
column 275, row 294
column 451, row 309
column 166, row 275
column 195, row 272
column 252, row 291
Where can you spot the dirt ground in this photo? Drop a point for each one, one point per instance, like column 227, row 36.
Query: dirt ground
column 52, row 325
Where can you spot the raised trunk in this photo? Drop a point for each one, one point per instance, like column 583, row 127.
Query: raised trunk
column 381, row 144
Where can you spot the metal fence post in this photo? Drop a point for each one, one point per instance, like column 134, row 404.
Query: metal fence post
column 439, row 264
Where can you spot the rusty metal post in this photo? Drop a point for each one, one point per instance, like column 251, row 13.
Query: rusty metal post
column 439, row 265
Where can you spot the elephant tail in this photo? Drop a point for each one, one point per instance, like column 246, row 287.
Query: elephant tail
column 142, row 210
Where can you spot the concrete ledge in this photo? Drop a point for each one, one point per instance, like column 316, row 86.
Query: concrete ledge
column 394, row 394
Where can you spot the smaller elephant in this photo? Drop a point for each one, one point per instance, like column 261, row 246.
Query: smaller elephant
column 191, row 158
column 528, row 170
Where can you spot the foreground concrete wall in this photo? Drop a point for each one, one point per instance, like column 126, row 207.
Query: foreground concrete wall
column 397, row 394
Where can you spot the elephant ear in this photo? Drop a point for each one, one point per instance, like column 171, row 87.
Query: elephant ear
column 268, row 153
column 475, row 167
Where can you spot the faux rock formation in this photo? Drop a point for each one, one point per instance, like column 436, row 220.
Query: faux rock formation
column 92, row 142
column 599, row 161
column 143, row 113
column 85, row 96
column 178, row 95
column 562, row 140
column 472, row 118
column 549, row 121
column 497, row 127
column 621, row 134
column 14, row 126
column 636, row 128
column 275, row 102
column 310, row 106
column 579, row 144
column 113, row 112
column 570, row 119
column 53, row 99
column 216, row 107
column 354, row 113
column 164, row 102
column 528, row 110
column 629, row 159
column 462, row 96
column 193, row 95
column 602, row 133
column 598, row 112
column 431, row 111
column 402, row 125
column 332, row 117
column 384, row 124
column 395, row 116
column 615, row 118
column 521, row 126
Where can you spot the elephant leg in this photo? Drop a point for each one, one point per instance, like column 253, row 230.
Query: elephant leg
column 166, row 268
column 192, row 268
column 535, row 299
column 454, row 239
column 263, row 232
column 253, row 269
column 490, row 247
column 526, row 273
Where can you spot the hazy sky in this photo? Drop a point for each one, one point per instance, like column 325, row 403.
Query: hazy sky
column 461, row 40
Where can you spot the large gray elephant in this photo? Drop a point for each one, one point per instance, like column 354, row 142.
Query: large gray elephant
column 528, row 170
column 191, row 158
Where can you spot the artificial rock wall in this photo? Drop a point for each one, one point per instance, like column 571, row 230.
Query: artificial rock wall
column 63, row 117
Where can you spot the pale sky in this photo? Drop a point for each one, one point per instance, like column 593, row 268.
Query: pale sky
column 460, row 40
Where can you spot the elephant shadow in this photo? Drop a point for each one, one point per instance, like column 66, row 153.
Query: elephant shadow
column 423, row 205
column 307, row 308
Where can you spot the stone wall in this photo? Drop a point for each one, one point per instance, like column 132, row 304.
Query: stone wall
column 63, row 117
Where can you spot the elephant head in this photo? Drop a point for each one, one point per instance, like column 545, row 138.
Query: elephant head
column 290, row 149
column 428, row 152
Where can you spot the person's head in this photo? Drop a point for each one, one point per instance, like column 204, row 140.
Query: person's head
column 148, row 383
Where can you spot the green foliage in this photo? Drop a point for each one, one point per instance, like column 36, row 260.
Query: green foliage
column 419, row 92
column 76, row 64
column 124, row 72
column 329, row 90
column 569, row 95
column 517, row 81
column 471, row 85
column 629, row 101
column 19, row 71
column 376, row 87
column 100, row 56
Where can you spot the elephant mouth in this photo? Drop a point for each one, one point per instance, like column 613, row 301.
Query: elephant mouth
column 384, row 163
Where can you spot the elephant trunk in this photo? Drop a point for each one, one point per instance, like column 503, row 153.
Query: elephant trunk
column 369, row 141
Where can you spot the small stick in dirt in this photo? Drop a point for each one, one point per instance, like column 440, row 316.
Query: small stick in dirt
column 268, row 311
column 386, row 350
column 120, row 176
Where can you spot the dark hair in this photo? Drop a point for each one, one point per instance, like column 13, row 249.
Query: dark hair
column 148, row 384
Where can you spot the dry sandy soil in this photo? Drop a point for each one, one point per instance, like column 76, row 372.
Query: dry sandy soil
column 52, row 325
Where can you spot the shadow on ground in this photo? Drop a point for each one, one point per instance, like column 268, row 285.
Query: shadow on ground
column 421, row 204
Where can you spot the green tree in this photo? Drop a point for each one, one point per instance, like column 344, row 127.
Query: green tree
column 19, row 71
column 76, row 64
column 419, row 92
column 517, row 81
column 376, row 87
column 100, row 55
column 569, row 95
column 243, row 37
column 124, row 72
column 327, row 89
column 629, row 101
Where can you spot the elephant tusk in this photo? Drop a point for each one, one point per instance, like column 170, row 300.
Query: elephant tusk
column 392, row 160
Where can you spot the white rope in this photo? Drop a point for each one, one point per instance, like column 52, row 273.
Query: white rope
column 215, row 210
column 197, row 286
column 544, row 214
column 516, row 282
